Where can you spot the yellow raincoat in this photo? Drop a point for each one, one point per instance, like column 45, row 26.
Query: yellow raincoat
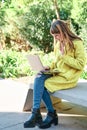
column 67, row 68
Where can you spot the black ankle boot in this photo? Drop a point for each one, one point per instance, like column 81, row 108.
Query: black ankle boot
column 35, row 119
column 51, row 118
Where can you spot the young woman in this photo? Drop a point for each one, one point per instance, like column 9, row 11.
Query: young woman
column 62, row 74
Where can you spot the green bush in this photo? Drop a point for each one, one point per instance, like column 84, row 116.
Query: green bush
column 13, row 64
column 35, row 25
column 84, row 75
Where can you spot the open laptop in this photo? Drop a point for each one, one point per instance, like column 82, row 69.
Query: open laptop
column 35, row 62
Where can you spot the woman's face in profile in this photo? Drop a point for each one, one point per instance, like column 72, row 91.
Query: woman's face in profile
column 57, row 36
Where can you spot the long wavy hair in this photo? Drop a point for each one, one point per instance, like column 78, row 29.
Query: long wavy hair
column 61, row 27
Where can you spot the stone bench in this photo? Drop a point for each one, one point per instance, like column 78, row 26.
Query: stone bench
column 77, row 95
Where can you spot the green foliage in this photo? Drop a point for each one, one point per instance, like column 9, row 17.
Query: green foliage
column 36, row 25
column 79, row 11
column 33, row 18
column 84, row 75
column 83, row 32
column 64, row 10
column 2, row 15
column 79, row 19
column 13, row 64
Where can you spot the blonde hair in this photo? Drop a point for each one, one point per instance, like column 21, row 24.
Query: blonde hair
column 61, row 27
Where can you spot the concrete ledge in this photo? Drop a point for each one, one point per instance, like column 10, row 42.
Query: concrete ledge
column 77, row 95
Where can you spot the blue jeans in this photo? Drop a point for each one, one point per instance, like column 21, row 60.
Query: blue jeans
column 41, row 93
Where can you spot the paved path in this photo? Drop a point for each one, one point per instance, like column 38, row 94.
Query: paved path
column 14, row 121
column 71, row 116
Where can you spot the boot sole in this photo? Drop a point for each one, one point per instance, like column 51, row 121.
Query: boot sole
column 49, row 125
column 31, row 126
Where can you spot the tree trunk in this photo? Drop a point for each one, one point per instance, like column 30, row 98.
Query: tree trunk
column 56, row 8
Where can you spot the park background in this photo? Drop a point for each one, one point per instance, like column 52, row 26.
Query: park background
column 25, row 29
